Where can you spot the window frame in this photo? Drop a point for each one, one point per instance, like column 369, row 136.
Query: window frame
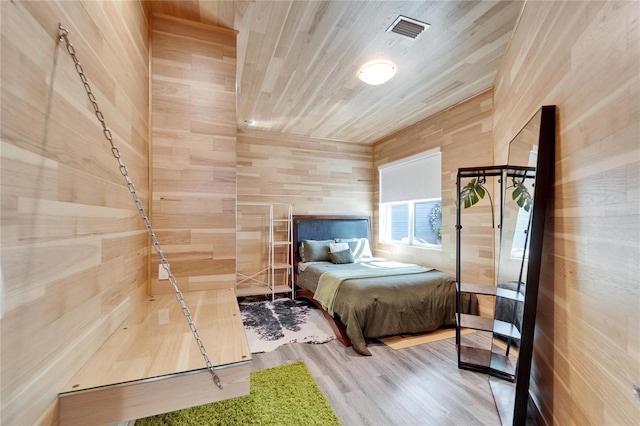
column 411, row 239
column 384, row 208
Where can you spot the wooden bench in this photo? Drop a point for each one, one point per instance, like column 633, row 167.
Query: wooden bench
column 152, row 364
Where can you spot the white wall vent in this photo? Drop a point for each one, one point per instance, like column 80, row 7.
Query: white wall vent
column 408, row 27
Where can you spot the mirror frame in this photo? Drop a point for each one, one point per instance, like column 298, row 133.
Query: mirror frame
column 542, row 193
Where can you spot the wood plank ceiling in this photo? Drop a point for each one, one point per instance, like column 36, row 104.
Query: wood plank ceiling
column 298, row 61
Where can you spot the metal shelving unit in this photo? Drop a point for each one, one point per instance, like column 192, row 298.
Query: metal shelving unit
column 275, row 273
column 493, row 360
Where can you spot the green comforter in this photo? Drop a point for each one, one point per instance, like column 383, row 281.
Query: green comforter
column 329, row 282
column 377, row 306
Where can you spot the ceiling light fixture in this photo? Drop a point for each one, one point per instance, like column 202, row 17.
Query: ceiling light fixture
column 377, row 72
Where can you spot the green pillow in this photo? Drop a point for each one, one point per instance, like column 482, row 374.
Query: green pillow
column 344, row 256
column 316, row 251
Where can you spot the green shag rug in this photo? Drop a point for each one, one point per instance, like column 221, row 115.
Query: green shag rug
column 285, row 395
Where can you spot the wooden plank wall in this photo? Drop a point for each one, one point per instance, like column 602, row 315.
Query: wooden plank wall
column 193, row 78
column 315, row 176
column 464, row 135
column 583, row 57
column 74, row 251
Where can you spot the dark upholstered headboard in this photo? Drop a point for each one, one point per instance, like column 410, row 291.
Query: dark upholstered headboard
column 326, row 227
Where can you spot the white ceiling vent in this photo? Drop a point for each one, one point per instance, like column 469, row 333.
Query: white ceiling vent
column 408, row 27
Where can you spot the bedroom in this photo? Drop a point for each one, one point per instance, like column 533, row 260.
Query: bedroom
column 87, row 253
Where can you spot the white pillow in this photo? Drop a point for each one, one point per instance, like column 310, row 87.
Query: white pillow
column 336, row 247
column 359, row 246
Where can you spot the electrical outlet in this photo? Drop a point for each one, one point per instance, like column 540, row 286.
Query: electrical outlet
column 163, row 316
column 163, row 274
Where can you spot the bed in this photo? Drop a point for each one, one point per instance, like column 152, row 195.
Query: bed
column 362, row 296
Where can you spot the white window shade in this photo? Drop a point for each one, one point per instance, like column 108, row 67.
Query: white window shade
column 414, row 178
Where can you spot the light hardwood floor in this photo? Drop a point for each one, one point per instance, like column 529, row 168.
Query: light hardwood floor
column 421, row 385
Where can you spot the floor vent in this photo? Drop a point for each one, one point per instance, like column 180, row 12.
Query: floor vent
column 408, row 27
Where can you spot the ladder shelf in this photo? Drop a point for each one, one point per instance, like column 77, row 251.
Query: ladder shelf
column 268, row 270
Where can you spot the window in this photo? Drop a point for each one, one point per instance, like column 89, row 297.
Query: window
column 411, row 201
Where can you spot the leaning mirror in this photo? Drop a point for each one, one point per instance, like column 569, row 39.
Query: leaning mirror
column 525, row 188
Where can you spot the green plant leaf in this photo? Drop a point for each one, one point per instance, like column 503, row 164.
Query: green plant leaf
column 480, row 190
column 521, row 195
column 516, row 192
column 472, row 193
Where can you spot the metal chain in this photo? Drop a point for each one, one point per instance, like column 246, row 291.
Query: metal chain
column 63, row 36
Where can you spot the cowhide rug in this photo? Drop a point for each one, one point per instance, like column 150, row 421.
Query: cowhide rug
column 269, row 325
